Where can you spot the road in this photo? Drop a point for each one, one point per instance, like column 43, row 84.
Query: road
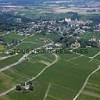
column 47, row 91
column 22, row 40
column 88, row 77
column 34, row 78
column 85, row 83
column 23, row 58
column 3, row 58
column 6, row 92
column 92, row 58
column 92, row 94
column 44, row 69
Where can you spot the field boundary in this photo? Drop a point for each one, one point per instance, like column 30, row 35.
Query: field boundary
column 47, row 91
column 34, row 78
column 86, row 81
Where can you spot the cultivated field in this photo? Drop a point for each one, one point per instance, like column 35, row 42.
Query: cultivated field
column 54, row 76
column 65, row 78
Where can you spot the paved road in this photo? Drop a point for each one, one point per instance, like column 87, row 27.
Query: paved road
column 33, row 78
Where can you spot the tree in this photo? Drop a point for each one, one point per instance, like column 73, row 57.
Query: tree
column 18, row 88
column 30, row 83
column 31, row 88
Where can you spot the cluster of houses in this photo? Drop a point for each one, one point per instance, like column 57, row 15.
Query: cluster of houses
column 63, row 27
column 54, row 26
column 25, row 87
column 75, row 45
column 97, row 28
column 49, row 48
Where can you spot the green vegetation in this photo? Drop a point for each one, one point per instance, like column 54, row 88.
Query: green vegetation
column 12, row 36
column 24, row 71
column 62, row 76
column 85, row 97
column 92, row 88
column 2, row 48
column 92, row 51
column 89, row 35
column 10, row 60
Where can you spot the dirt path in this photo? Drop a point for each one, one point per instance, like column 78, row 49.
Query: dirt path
column 89, row 93
column 92, row 58
column 85, row 83
column 3, row 58
column 34, row 78
column 21, row 59
column 47, row 91
column 22, row 40
column 44, row 69
column 88, row 77
column 6, row 92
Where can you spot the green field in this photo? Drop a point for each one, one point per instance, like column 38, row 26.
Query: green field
column 89, row 35
column 54, row 76
column 62, row 80
column 92, row 89
column 23, row 71
column 31, row 42
column 66, row 77
column 2, row 48
column 9, row 37
column 10, row 60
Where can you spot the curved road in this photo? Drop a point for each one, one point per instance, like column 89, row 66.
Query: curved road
column 33, row 78
column 85, row 83
column 21, row 59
